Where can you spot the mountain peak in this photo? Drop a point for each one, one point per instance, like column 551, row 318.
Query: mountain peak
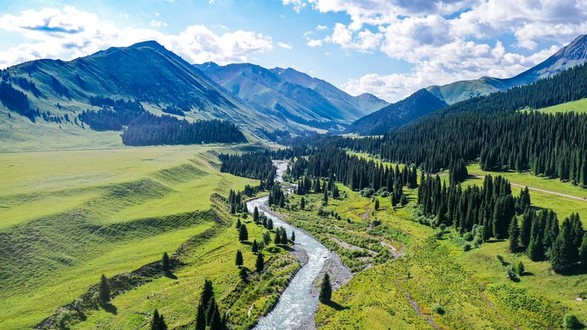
column 147, row 44
column 576, row 50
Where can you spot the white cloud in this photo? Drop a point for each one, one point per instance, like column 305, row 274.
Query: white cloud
column 69, row 33
column 446, row 40
column 155, row 23
column 284, row 45
column 296, row 4
column 321, row 27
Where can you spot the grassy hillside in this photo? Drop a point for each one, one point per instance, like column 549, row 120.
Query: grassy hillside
column 69, row 216
column 579, row 106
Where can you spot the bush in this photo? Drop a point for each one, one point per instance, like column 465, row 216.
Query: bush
column 468, row 237
column 467, row 247
column 438, row 309
column 570, row 321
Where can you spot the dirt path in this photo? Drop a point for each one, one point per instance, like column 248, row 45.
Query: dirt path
column 542, row 190
column 416, row 307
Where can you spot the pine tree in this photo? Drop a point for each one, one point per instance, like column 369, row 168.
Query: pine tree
column 243, row 274
column 207, row 293
column 561, row 251
column 526, row 230
column 238, row 223
column 104, row 290
column 535, row 248
column 239, row 259
column 243, row 234
column 325, row 197
column 514, row 234
column 216, row 321
column 325, row 290
column 259, row 263
column 376, row 204
column 256, row 215
column 283, row 235
column 255, row 247
column 277, row 238
column 212, row 308
column 302, row 203
column 583, row 251
column 201, row 317
column 293, row 236
column 165, row 262
column 158, row 322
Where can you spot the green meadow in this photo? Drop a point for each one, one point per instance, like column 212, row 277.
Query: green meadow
column 67, row 217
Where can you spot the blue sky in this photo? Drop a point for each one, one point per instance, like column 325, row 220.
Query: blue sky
column 390, row 48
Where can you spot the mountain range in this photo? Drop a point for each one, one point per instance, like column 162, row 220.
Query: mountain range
column 266, row 104
column 434, row 98
column 292, row 94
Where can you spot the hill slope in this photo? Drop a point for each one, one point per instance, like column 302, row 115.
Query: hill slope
column 55, row 92
column 567, row 57
column 292, row 94
column 416, row 105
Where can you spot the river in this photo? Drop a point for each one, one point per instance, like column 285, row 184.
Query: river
column 297, row 304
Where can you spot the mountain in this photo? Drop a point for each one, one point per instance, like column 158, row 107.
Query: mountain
column 567, row 57
column 437, row 97
column 365, row 103
column 145, row 72
column 414, row 106
column 292, row 94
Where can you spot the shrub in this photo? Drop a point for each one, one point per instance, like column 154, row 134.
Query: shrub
column 438, row 309
column 467, row 247
column 570, row 321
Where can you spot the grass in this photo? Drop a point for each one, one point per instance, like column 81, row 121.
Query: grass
column 69, row 216
column 579, row 106
column 446, row 286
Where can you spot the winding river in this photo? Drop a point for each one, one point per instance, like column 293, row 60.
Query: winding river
column 297, row 305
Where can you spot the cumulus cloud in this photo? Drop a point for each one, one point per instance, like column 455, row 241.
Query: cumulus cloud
column 69, row 33
column 284, row 45
column 446, row 40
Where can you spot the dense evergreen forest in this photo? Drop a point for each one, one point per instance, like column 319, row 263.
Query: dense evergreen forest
column 256, row 165
column 569, row 85
column 144, row 128
column 549, row 145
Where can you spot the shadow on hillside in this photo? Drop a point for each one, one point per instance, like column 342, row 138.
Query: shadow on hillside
column 169, row 274
column 336, row 306
column 110, row 309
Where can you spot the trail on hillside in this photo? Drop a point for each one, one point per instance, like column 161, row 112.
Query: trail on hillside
column 584, row 199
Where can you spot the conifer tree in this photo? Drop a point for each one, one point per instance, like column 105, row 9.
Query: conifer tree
column 243, row 274
column 207, row 293
column 104, row 290
column 376, row 204
column 165, row 262
column 254, row 247
column 212, row 308
column 293, row 236
column 243, row 234
column 201, row 317
column 277, row 238
column 325, row 197
column 302, row 203
column 239, row 259
column 256, row 215
column 583, row 251
column 535, row 249
column 325, row 290
column 561, row 251
column 238, row 223
column 259, row 264
column 514, row 233
column 157, row 321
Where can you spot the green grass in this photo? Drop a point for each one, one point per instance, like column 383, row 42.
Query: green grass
column 66, row 217
column 579, row 106
column 471, row 287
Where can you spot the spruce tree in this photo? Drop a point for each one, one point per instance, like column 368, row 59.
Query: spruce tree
column 535, row 248
column 376, row 204
column 325, row 197
column 239, row 259
column 212, row 308
column 201, row 318
column 514, row 234
column 561, row 251
column 165, row 262
column 243, row 234
column 254, row 247
column 302, row 203
column 325, row 290
column 238, row 223
column 207, row 293
column 256, row 215
column 583, row 251
column 104, row 290
column 157, row 321
column 243, row 274
column 259, row 263
column 283, row 235
column 293, row 236
column 216, row 321
column 277, row 238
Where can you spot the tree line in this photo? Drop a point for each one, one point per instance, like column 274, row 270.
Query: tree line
column 549, row 145
column 256, row 165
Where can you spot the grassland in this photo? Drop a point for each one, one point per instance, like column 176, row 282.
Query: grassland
column 579, row 106
column 66, row 217
column 435, row 282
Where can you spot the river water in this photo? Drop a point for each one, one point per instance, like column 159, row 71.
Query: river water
column 297, row 305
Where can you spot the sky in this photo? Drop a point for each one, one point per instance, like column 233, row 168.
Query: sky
column 388, row 48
